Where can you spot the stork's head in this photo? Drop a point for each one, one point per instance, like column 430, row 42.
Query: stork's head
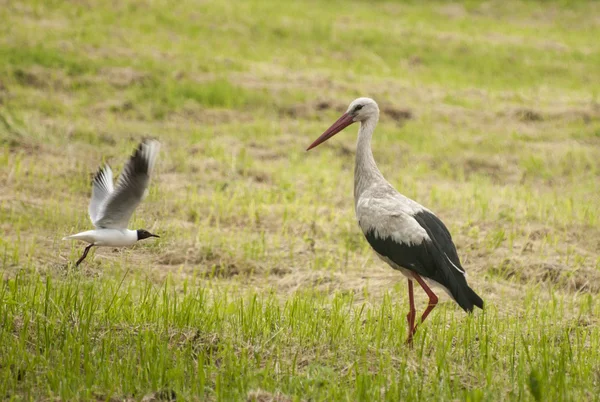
column 361, row 109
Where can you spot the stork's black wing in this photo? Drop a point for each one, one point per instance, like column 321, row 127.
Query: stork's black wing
column 433, row 257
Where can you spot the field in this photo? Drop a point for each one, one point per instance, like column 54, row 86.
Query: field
column 262, row 287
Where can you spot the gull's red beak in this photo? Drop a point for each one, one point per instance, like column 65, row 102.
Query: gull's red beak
column 335, row 128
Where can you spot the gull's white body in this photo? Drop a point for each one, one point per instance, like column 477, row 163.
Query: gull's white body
column 107, row 237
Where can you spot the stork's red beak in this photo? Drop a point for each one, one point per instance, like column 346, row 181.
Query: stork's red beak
column 335, row 128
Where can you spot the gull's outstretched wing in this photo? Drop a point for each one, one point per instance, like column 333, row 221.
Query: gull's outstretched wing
column 102, row 188
column 131, row 187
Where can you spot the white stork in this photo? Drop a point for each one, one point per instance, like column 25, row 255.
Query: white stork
column 403, row 233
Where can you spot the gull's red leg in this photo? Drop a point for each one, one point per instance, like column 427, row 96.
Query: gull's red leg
column 85, row 253
column 412, row 313
column 433, row 299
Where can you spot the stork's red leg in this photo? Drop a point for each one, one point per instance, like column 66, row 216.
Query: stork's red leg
column 433, row 299
column 410, row 317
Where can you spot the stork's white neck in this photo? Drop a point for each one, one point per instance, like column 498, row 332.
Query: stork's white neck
column 366, row 172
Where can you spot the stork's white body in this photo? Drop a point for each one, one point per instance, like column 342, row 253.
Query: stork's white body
column 107, row 237
column 382, row 209
column 378, row 205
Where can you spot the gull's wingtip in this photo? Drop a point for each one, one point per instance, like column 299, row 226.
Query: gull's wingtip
column 150, row 141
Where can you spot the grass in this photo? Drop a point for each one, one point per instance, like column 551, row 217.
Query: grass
column 100, row 340
column 261, row 287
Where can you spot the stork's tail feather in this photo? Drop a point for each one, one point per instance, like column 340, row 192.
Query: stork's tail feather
column 468, row 299
column 454, row 277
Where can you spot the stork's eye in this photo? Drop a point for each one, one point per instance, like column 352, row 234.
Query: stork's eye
column 357, row 108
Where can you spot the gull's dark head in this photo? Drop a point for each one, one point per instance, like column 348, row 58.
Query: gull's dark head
column 144, row 234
